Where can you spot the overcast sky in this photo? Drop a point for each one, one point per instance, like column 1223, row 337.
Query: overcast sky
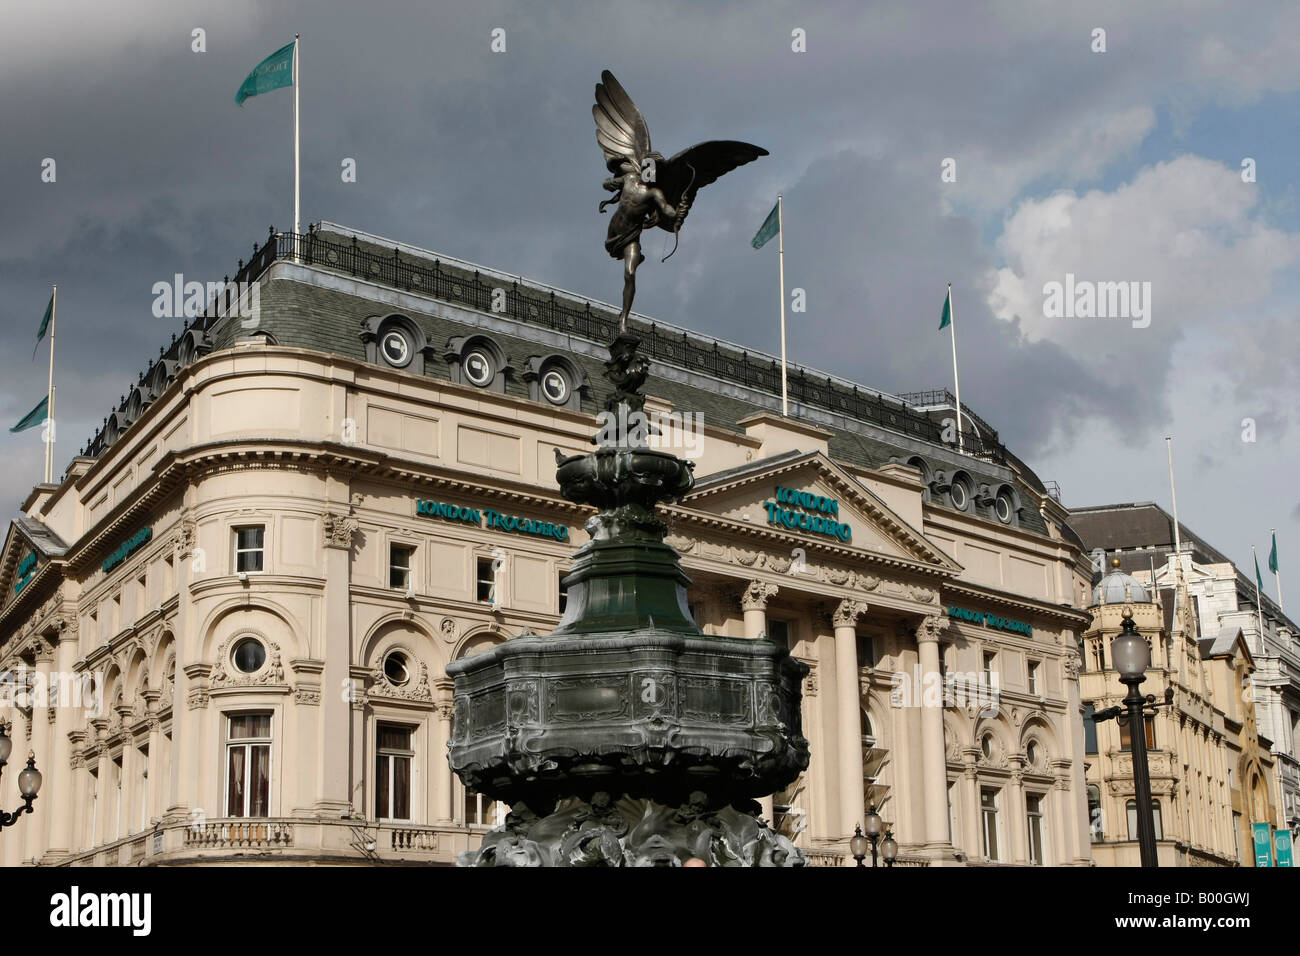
column 1122, row 165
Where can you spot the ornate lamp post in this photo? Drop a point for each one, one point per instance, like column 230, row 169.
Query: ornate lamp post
column 859, row 842
column 1132, row 657
column 29, row 781
column 889, row 848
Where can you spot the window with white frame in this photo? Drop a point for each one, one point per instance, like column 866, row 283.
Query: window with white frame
column 483, row 811
column 989, row 818
column 487, row 580
column 399, row 566
column 248, row 765
column 1034, row 818
column 249, row 548
column 393, row 755
column 1034, row 683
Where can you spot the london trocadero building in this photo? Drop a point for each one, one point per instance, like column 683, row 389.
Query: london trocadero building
column 249, row 584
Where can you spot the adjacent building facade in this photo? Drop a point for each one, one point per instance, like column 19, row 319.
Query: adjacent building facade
column 224, row 632
column 1224, row 757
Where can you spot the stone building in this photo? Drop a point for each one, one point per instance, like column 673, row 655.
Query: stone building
column 249, row 584
column 1213, row 774
column 1222, row 599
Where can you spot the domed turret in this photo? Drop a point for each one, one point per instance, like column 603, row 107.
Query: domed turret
column 1117, row 587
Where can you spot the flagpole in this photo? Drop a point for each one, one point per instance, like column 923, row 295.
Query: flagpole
column 297, row 74
column 952, row 327
column 1173, row 494
column 780, row 255
column 1259, row 610
column 49, row 396
column 1277, row 573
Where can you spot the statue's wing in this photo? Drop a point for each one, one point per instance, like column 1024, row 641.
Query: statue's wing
column 693, row 169
column 620, row 127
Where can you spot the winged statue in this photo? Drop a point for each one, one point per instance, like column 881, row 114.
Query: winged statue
column 649, row 189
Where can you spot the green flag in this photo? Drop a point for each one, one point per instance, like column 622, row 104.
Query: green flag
column 271, row 74
column 33, row 418
column 945, row 319
column 45, row 321
column 1272, row 555
column 1259, row 581
column 771, row 226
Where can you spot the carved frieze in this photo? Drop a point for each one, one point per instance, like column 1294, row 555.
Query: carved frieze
column 417, row 690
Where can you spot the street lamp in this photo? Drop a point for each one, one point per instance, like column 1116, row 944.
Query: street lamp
column 1132, row 657
column 859, row 843
column 889, row 849
column 29, row 781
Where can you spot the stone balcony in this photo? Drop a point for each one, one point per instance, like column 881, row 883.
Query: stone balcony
column 295, row 840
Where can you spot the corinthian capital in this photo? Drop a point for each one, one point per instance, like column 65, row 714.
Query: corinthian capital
column 757, row 594
column 931, row 627
column 847, row 613
column 339, row 530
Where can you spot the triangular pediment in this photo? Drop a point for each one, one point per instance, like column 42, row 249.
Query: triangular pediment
column 29, row 546
column 810, row 498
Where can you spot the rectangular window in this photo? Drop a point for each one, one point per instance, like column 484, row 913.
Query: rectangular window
column 399, row 565
column 990, row 659
column 564, row 592
column 1034, row 684
column 249, row 548
column 779, row 633
column 248, row 765
column 481, row 811
column 1034, row 815
column 142, row 595
column 1236, row 836
column 866, row 651
column 116, row 783
column 487, row 581
column 1096, row 820
column 989, row 816
column 393, row 753
column 1126, row 741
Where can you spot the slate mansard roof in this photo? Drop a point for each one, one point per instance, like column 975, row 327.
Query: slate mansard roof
column 344, row 277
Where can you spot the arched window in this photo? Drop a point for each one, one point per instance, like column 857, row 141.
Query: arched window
column 1131, row 810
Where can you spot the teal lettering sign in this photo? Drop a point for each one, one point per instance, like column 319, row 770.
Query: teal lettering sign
column 128, row 548
column 494, row 519
column 815, row 514
column 26, row 571
column 1282, row 846
column 991, row 620
column 1263, row 844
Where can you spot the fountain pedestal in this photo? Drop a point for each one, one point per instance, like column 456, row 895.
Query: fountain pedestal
column 627, row 736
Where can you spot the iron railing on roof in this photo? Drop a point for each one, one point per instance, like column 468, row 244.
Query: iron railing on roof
column 941, row 396
column 668, row 344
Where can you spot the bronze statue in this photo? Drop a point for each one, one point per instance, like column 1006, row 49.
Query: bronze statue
column 650, row 190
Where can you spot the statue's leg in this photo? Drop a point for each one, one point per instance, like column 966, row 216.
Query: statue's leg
column 631, row 259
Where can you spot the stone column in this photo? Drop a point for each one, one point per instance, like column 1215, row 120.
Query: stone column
column 754, row 603
column 442, row 779
column 336, row 713
column 1076, row 801
column 38, row 823
column 848, row 702
column 973, row 838
column 57, row 792
column 190, row 692
column 934, row 760
column 1017, row 821
column 153, row 784
column 101, row 782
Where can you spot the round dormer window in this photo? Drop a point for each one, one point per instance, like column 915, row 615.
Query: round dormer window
column 555, row 386
column 479, row 368
column 396, row 348
column 396, row 668
column 248, row 655
column 959, row 495
column 1002, row 505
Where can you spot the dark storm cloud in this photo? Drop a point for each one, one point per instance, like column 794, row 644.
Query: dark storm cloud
column 492, row 157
